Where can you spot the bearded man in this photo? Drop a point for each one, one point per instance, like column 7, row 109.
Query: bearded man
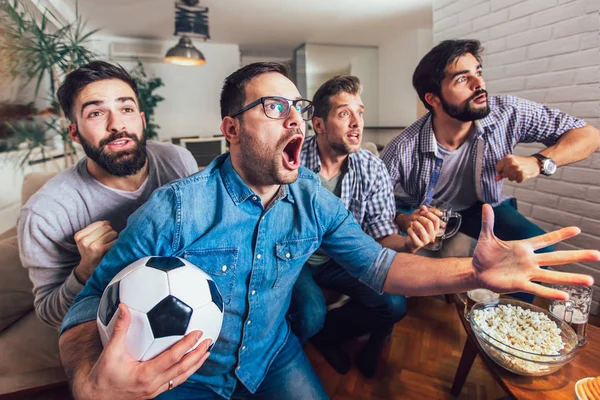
column 67, row 226
column 462, row 149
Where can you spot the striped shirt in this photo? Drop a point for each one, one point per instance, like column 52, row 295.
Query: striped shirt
column 412, row 161
column 366, row 189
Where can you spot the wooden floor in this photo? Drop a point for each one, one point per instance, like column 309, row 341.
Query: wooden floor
column 419, row 362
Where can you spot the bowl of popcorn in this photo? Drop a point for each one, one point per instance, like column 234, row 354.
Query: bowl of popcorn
column 523, row 338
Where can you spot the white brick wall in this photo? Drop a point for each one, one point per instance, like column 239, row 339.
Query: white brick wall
column 546, row 51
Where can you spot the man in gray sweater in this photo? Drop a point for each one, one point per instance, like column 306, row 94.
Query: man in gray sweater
column 70, row 223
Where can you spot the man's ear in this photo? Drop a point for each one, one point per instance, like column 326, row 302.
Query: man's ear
column 73, row 134
column 143, row 118
column 432, row 100
column 230, row 128
column 318, row 125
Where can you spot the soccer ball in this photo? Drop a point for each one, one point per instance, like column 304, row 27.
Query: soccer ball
column 168, row 298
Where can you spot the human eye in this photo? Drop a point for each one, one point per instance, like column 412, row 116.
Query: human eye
column 94, row 114
column 461, row 79
column 275, row 106
column 344, row 114
column 128, row 110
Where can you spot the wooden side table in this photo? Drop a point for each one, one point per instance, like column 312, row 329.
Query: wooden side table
column 557, row 386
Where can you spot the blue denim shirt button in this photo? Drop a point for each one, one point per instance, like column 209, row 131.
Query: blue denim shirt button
column 224, row 268
column 248, row 323
column 243, row 348
column 253, row 292
column 258, row 256
column 287, row 255
column 254, row 198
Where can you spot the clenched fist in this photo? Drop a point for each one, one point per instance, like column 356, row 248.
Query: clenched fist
column 517, row 168
column 93, row 242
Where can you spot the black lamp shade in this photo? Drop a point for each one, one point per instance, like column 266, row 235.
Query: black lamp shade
column 184, row 53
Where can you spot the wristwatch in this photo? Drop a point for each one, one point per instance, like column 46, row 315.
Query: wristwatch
column 547, row 165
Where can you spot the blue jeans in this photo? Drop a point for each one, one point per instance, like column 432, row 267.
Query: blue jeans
column 509, row 224
column 290, row 376
column 308, row 308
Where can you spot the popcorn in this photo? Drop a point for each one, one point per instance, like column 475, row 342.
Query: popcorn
column 522, row 329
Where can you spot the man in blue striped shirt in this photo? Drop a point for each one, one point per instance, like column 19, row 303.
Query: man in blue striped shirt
column 462, row 149
column 360, row 179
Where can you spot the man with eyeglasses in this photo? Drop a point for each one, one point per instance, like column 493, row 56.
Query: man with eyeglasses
column 360, row 179
column 251, row 219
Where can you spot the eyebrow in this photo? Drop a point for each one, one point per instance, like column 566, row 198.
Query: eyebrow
column 99, row 102
column 464, row 71
column 347, row 105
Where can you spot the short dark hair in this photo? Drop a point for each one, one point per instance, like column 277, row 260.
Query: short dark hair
column 432, row 68
column 233, row 94
column 337, row 84
column 90, row 73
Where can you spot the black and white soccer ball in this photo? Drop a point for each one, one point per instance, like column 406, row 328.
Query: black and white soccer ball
column 168, row 297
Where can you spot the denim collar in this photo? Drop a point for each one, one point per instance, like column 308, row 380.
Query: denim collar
column 238, row 189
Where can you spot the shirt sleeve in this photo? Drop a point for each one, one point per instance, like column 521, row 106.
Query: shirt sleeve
column 189, row 162
column 150, row 231
column 345, row 242
column 540, row 123
column 50, row 262
column 389, row 156
column 380, row 206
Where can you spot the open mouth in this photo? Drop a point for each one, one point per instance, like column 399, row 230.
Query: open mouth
column 482, row 98
column 120, row 143
column 354, row 137
column 291, row 152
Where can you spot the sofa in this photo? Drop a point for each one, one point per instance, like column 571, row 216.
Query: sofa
column 28, row 348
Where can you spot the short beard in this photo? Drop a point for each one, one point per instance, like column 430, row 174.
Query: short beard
column 259, row 163
column 466, row 113
column 119, row 164
column 341, row 149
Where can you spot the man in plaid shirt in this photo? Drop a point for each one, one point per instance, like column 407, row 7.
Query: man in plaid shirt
column 361, row 180
column 462, row 149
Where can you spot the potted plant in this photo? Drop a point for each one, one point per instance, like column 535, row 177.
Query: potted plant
column 35, row 51
column 148, row 99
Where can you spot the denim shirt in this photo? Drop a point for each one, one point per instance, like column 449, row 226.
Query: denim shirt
column 254, row 254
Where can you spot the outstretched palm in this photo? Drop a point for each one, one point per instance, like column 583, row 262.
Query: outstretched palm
column 513, row 266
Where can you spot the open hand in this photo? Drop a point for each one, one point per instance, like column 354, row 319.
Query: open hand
column 513, row 266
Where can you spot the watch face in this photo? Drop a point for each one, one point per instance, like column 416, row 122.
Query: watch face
column 549, row 167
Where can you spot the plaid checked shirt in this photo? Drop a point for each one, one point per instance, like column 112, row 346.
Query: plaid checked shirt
column 366, row 189
column 414, row 166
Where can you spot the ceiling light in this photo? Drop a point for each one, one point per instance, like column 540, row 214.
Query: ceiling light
column 190, row 21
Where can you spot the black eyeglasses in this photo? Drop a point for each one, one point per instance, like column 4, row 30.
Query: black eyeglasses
column 276, row 107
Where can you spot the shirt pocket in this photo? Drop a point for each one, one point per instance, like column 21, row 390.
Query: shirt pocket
column 220, row 264
column 291, row 256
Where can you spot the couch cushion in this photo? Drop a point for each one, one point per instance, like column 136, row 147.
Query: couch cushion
column 29, row 356
column 33, row 182
column 16, row 294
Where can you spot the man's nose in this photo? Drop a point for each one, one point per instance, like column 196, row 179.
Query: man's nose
column 294, row 119
column 116, row 123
